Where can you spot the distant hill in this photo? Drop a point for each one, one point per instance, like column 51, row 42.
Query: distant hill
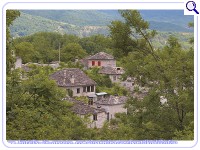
column 29, row 24
column 89, row 22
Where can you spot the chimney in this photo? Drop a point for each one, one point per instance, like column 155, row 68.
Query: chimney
column 72, row 79
column 65, row 74
column 118, row 70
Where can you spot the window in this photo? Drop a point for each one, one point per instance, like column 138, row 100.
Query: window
column 88, row 88
column 95, row 117
column 84, row 89
column 90, row 101
column 99, row 63
column 93, row 63
column 108, row 117
column 92, row 88
column 78, row 90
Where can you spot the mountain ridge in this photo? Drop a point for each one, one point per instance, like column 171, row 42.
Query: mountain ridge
column 77, row 21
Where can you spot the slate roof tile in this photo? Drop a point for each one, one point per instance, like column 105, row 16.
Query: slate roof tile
column 70, row 77
column 101, row 56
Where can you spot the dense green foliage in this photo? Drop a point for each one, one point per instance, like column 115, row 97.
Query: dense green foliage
column 34, row 106
column 168, row 73
column 35, row 110
column 44, row 47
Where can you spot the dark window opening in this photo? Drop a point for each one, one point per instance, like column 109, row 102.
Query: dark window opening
column 88, row 88
column 78, row 90
column 92, row 88
column 95, row 117
column 118, row 68
column 93, row 63
column 84, row 89
column 108, row 116
column 99, row 63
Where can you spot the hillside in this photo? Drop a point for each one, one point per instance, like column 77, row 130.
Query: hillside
column 89, row 22
column 28, row 24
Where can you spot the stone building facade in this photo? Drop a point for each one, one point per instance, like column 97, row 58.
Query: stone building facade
column 112, row 105
column 114, row 73
column 100, row 59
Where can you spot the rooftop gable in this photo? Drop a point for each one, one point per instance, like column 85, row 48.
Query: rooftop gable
column 72, row 77
column 83, row 109
column 101, row 56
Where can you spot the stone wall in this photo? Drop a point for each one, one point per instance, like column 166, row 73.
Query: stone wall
column 81, row 93
column 115, row 78
column 105, row 63
column 101, row 119
column 113, row 109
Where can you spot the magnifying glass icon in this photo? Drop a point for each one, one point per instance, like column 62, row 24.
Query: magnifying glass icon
column 191, row 6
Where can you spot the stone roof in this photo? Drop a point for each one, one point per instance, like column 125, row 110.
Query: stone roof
column 111, row 70
column 72, row 77
column 83, row 109
column 100, row 56
column 112, row 100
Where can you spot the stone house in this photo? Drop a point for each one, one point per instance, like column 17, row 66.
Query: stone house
column 100, row 59
column 112, row 105
column 75, row 80
column 114, row 73
column 96, row 116
column 106, row 63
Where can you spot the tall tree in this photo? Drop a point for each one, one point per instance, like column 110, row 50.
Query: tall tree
column 72, row 51
column 132, row 35
column 167, row 73
column 11, row 15
column 35, row 109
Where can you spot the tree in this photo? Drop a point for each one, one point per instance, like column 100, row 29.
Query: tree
column 132, row 35
column 72, row 51
column 96, row 43
column 11, row 15
column 26, row 51
column 167, row 73
column 35, row 109
column 121, row 35
column 191, row 25
column 171, row 77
